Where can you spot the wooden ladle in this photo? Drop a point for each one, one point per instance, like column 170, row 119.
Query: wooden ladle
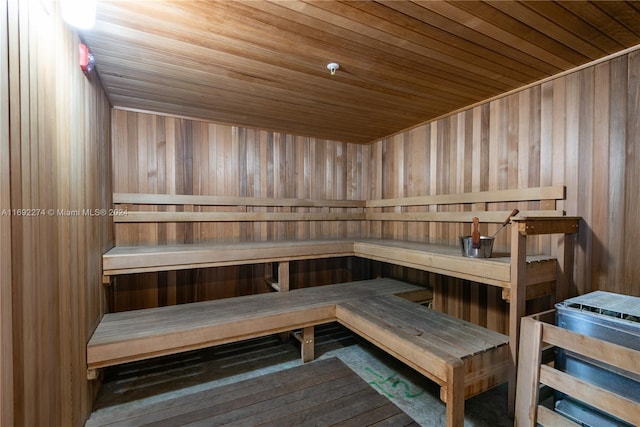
column 475, row 234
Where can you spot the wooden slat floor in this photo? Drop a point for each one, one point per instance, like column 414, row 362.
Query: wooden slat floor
column 321, row 393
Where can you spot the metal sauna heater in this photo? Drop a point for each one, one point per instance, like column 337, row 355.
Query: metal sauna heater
column 609, row 317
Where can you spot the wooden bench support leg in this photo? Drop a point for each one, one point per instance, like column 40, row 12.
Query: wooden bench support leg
column 308, row 344
column 517, row 306
column 455, row 394
column 283, row 276
column 283, row 286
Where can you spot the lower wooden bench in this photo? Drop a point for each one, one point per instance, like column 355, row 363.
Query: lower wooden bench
column 463, row 358
column 141, row 334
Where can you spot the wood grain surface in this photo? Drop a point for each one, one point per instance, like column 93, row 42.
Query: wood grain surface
column 6, row 317
column 54, row 155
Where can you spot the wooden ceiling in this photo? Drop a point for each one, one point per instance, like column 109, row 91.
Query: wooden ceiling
column 263, row 63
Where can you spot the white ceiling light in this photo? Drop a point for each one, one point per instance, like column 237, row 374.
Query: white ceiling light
column 332, row 66
column 79, row 13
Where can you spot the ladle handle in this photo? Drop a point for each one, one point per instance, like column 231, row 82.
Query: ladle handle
column 506, row 221
column 513, row 213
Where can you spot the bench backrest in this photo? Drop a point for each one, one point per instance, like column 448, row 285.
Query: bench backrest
column 286, row 209
column 462, row 207
column 468, row 205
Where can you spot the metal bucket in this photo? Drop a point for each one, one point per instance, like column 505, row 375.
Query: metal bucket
column 484, row 251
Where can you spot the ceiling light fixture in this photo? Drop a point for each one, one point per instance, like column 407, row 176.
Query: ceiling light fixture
column 79, row 13
column 332, row 66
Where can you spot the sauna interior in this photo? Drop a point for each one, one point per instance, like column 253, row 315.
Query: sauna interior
column 188, row 176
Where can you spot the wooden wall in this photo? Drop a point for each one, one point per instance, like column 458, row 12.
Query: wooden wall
column 580, row 130
column 6, row 354
column 169, row 155
column 54, row 155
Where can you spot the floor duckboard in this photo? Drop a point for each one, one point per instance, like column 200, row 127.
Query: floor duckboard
column 321, row 393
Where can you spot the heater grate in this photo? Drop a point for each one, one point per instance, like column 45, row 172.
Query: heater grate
column 607, row 304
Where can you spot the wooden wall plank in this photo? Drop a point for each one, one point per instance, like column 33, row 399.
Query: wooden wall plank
column 60, row 162
column 6, row 303
column 631, row 279
column 616, row 206
column 600, row 264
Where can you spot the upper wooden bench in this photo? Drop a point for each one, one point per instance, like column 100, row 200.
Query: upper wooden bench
column 140, row 259
column 442, row 259
column 463, row 358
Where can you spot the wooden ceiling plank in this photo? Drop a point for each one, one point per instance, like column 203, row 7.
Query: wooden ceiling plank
column 405, row 27
column 396, row 58
column 626, row 13
column 514, row 57
column 197, row 56
column 337, row 14
column 383, row 72
column 493, row 23
column 257, row 111
column 187, row 68
column 241, row 110
column 551, row 25
column 254, row 89
column 606, row 30
column 377, row 100
column 153, row 88
column 385, row 47
column 217, row 44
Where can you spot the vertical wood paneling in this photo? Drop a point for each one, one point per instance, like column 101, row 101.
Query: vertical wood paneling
column 213, row 159
column 572, row 153
column 600, row 230
column 632, row 168
column 6, row 306
column 579, row 130
column 59, row 147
